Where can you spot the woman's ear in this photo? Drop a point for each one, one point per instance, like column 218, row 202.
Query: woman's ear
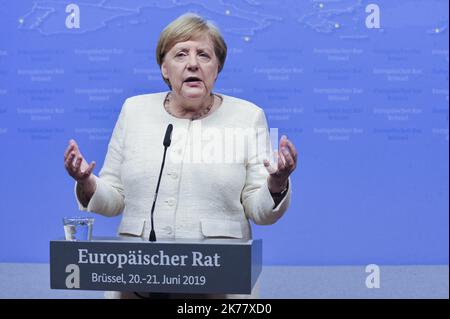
column 164, row 74
column 164, row 70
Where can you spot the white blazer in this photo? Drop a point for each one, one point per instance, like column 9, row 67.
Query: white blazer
column 196, row 199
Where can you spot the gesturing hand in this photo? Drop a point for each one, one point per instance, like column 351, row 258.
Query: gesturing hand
column 286, row 159
column 75, row 164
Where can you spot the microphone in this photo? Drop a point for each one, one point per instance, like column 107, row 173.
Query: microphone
column 168, row 136
column 166, row 143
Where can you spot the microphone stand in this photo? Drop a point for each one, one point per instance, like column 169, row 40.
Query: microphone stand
column 166, row 143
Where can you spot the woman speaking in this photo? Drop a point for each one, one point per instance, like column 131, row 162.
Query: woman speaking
column 218, row 175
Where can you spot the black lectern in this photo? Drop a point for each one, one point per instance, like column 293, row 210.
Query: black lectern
column 216, row 266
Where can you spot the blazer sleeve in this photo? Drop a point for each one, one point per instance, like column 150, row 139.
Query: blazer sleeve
column 108, row 198
column 255, row 197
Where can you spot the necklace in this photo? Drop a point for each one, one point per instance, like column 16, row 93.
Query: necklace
column 195, row 116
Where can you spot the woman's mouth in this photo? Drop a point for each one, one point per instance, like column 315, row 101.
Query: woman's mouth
column 193, row 81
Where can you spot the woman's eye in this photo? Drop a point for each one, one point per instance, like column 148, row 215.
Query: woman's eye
column 180, row 54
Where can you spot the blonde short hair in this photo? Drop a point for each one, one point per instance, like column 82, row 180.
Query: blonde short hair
column 186, row 27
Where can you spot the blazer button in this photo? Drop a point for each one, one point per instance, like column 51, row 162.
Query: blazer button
column 168, row 229
column 171, row 201
column 174, row 175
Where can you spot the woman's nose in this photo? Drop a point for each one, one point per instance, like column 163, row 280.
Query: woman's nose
column 192, row 62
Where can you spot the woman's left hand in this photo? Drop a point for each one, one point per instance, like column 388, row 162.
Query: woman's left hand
column 286, row 157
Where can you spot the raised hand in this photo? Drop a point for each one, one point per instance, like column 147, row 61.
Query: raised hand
column 75, row 164
column 286, row 159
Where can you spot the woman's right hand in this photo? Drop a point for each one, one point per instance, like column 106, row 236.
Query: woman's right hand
column 76, row 165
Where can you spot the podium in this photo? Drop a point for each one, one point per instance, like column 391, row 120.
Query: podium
column 216, row 266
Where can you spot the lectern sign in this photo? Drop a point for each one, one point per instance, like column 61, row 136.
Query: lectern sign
column 177, row 266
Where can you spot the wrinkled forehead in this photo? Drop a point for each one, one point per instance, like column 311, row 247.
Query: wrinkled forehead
column 203, row 42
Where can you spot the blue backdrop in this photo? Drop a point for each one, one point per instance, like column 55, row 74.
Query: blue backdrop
column 360, row 87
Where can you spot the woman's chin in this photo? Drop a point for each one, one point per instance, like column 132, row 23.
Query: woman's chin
column 194, row 93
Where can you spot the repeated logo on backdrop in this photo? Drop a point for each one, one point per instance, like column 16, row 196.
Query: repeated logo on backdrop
column 361, row 87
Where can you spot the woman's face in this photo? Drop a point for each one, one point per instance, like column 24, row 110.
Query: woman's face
column 191, row 67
